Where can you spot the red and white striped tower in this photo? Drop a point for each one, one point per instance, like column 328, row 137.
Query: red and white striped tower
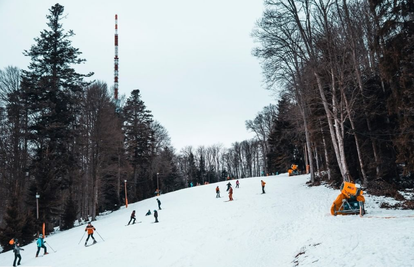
column 116, row 60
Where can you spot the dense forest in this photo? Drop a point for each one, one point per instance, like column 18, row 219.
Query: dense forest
column 344, row 73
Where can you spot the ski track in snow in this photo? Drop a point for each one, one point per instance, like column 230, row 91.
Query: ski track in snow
column 290, row 225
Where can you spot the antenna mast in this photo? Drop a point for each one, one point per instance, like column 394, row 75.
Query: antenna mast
column 116, row 61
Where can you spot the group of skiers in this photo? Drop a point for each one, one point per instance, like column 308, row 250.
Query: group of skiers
column 133, row 217
column 90, row 228
column 16, row 248
column 230, row 189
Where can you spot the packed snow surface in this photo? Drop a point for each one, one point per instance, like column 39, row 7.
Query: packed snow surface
column 290, row 225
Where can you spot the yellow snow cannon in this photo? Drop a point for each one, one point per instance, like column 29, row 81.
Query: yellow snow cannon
column 349, row 201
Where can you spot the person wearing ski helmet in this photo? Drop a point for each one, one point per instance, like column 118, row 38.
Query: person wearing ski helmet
column 17, row 255
column 90, row 230
column 41, row 244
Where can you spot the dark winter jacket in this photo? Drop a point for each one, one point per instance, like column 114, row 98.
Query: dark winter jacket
column 17, row 249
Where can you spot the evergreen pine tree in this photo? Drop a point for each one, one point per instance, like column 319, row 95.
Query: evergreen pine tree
column 53, row 89
column 14, row 224
column 69, row 215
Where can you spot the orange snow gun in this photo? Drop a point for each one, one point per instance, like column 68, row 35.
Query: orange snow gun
column 349, row 201
column 350, row 189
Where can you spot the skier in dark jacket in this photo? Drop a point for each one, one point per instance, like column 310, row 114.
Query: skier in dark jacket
column 148, row 213
column 228, row 186
column 17, row 255
column 159, row 204
column 156, row 216
column 90, row 230
column 41, row 244
column 132, row 217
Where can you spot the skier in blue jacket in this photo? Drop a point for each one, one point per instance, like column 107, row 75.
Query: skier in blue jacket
column 41, row 244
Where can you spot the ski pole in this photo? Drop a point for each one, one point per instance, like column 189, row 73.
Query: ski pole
column 82, row 237
column 50, row 247
column 99, row 235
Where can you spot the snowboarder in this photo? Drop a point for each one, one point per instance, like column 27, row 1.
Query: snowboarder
column 231, row 193
column 17, row 255
column 263, row 187
column 159, row 204
column 156, row 216
column 237, row 184
column 228, row 186
column 148, row 213
column 41, row 244
column 217, row 192
column 132, row 217
column 90, row 230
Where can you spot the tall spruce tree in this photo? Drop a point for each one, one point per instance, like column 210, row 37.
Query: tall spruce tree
column 52, row 89
column 139, row 143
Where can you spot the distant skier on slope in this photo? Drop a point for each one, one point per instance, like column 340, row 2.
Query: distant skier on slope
column 132, row 217
column 217, row 192
column 263, row 187
column 228, row 186
column 237, row 184
column 159, row 204
column 41, row 244
column 231, row 193
column 148, row 213
column 90, row 230
column 156, row 216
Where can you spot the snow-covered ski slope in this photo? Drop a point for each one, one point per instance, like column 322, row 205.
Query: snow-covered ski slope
column 290, row 225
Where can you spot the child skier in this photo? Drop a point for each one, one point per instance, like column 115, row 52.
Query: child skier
column 156, row 216
column 132, row 217
column 16, row 251
column 237, row 184
column 159, row 204
column 90, row 230
column 263, row 187
column 41, row 244
column 217, row 192
column 231, row 193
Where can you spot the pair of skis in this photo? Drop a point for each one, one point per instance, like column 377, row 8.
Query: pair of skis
column 134, row 223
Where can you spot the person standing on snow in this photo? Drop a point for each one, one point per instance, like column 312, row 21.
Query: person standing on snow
column 231, row 193
column 17, row 255
column 217, row 192
column 132, row 217
column 263, row 187
column 159, row 204
column 156, row 216
column 228, row 186
column 41, row 244
column 237, row 184
column 90, row 230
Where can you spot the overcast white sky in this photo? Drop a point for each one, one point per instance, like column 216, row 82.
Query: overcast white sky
column 191, row 59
